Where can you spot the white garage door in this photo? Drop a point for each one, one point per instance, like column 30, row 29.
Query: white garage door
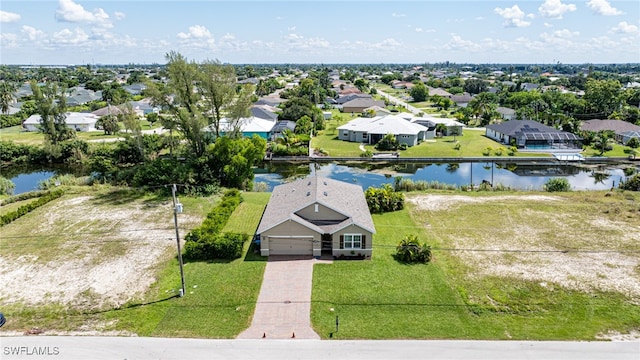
column 290, row 246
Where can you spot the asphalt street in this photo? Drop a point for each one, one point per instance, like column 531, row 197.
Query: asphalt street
column 97, row 348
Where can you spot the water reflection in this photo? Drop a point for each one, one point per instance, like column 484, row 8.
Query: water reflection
column 519, row 176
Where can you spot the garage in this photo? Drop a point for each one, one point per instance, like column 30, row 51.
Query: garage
column 287, row 245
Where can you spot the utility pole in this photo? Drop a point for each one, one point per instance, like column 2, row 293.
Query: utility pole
column 177, row 208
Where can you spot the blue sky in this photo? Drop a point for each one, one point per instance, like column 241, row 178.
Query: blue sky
column 143, row 31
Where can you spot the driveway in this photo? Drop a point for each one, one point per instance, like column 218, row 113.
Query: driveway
column 284, row 304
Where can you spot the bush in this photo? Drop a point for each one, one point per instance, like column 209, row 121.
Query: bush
column 633, row 143
column 6, row 186
column 557, row 185
column 366, row 154
column 499, row 151
column 206, row 242
column 388, row 142
column 512, row 150
column 632, row 184
column 403, row 146
column 487, row 151
column 404, row 184
column 457, row 146
column 384, row 199
column 25, row 209
column 24, row 196
column 411, row 251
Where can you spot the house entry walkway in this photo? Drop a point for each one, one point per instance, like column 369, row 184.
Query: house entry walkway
column 283, row 310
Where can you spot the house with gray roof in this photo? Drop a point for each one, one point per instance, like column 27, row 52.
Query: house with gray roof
column 74, row 120
column 372, row 130
column 506, row 113
column 359, row 104
column 624, row 130
column 317, row 216
column 532, row 135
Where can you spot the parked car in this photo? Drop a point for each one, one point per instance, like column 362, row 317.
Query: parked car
column 2, row 319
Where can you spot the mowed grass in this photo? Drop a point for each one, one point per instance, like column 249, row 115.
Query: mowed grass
column 472, row 144
column 220, row 297
column 450, row 299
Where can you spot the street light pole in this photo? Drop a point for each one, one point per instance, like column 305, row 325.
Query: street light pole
column 177, row 208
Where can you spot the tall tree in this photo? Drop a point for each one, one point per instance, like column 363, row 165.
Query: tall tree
column 7, row 89
column 51, row 106
column 216, row 83
column 419, row 92
column 240, row 109
column 180, row 99
column 603, row 97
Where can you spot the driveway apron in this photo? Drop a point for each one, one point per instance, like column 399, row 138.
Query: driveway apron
column 284, row 304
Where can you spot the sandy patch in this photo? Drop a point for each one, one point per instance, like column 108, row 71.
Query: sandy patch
column 443, row 202
column 110, row 265
column 603, row 270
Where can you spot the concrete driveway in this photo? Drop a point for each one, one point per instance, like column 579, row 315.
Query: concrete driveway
column 284, row 304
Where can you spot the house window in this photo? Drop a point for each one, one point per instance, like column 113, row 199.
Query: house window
column 364, row 136
column 345, row 133
column 353, row 241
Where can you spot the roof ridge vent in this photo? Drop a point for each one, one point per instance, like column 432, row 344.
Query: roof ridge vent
column 325, row 193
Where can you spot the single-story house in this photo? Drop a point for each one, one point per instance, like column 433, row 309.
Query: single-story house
column 265, row 112
column 532, row 135
column 372, row 130
column 439, row 92
column 462, row 100
column 74, row 120
column 109, row 110
column 248, row 127
column 280, row 127
column 452, row 125
column 377, row 111
column 506, row 113
column 316, row 216
column 624, row 130
column 358, row 105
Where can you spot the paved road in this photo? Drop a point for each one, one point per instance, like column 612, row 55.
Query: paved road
column 397, row 101
column 98, row 348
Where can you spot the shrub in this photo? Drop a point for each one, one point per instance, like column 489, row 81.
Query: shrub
column 403, row 184
column 411, row 251
column 499, row 151
column 487, row 151
column 632, row 184
column 457, row 146
column 403, row 146
column 25, row 209
column 557, row 185
column 633, row 143
column 66, row 179
column 629, row 171
column 388, row 142
column 6, row 186
column 384, row 199
column 23, row 196
column 512, row 150
column 366, row 154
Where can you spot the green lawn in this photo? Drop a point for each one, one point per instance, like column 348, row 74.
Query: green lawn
column 451, row 299
column 472, row 144
column 221, row 296
column 18, row 135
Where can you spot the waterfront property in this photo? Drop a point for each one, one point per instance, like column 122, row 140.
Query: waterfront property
column 624, row 130
column 246, row 126
column 74, row 120
column 315, row 216
column 372, row 130
column 532, row 135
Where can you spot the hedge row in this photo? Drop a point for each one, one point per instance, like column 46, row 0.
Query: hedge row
column 207, row 243
column 24, row 196
column 25, row 209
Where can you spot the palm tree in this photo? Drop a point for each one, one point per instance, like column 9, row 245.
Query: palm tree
column 601, row 143
column 7, row 89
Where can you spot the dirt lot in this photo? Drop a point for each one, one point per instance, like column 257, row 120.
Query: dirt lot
column 87, row 251
column 585, row 249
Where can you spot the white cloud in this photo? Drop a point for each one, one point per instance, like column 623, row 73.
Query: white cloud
column 419, row 29
column 196, row 32
column 8, row 40
column 603, row 7
column 387, row 43
column 299, row 42
column 119, row 15
column 68, row 37
column 624, row 28
column 564, row 33
column 69, row 11
column 292, row 28
column 398, row 15
column 458, row 43
column 555, row 9
column 513, row 16
column 8, row 17
column 479, row 18
column 32, row 33
column 547, row 25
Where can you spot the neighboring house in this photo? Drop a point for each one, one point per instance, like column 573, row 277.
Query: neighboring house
column 377, row 111
column 248, row 127
column 617, row 126
column 461, row 100
column 506, row 113
column 451, row 125
column 372, row 130
column 316, row 216
column 346, row 98
column 532, row 135
column 74, row 120
column 440, row 92
column 358, row 105
column 280, row 127
column 109, row 110
column 79, row 96
column 264, row 112
column 529, row 86
column 135, row 89
column 143, row 107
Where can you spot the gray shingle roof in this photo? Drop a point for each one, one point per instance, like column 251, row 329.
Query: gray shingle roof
column 287, row 199
column 617, row 126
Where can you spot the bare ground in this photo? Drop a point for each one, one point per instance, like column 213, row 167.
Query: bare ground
column 110, row 267
column 585, row 271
